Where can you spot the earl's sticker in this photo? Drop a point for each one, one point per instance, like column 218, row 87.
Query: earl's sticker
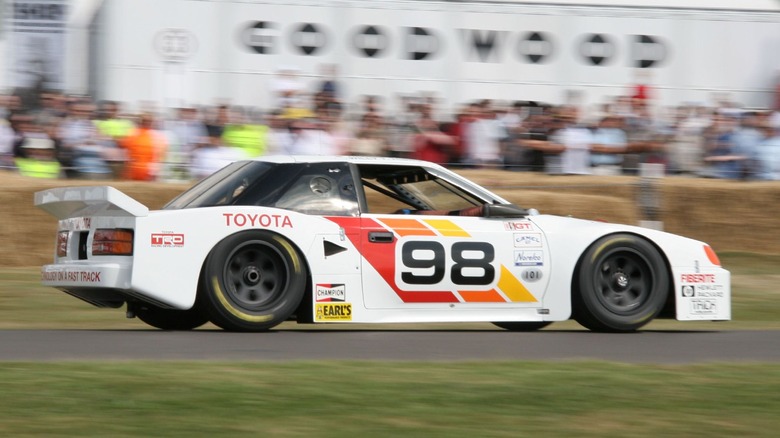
column 333, row 312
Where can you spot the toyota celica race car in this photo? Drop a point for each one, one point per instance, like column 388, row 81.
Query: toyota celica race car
column 367, row 240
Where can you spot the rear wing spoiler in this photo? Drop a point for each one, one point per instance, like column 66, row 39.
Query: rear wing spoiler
column 67, row 202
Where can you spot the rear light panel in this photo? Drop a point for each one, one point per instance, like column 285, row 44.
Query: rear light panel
column 112, row 242
column 62, row 243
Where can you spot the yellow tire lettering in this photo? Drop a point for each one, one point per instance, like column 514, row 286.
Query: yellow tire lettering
column 290, row 252
column 607, row 243
column 233, row 311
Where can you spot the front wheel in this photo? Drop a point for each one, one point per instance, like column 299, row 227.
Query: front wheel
column 253, row 281
column 622, row 284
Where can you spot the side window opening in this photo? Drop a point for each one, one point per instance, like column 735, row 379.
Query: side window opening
column 325, row 189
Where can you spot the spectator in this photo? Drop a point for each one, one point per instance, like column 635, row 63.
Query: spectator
column 431, row 144
column 83, row 149
column 308, row 138
column 7, row 136
column 746, row 140
column 370, row 139
column 768, row 155
column 279, row 137
column 576, row 141
column 609, row 145
column 720, row 154
column 186, row 132
column 687, row 149
column 244, row 134
column 38, row 157
column 145, row 147
column 484, row 136
column 212, row 156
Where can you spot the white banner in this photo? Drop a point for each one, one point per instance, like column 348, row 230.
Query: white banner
column 457, row 51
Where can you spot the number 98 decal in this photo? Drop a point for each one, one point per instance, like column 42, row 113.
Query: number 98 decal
column 428, row 265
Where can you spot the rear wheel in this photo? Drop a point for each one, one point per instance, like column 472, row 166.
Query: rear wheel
column 253, row 281
column 621, row 284
column 171, row 319
column 516, row 326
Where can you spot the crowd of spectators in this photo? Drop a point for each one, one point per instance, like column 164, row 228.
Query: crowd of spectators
column 66, row 136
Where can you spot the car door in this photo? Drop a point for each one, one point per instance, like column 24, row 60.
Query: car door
column 442, row 260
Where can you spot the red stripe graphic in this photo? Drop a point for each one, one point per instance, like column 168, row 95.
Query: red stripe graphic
column 382, row 257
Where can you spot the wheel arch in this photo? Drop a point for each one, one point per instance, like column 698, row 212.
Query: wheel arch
column 281, row 238
column 668, row 308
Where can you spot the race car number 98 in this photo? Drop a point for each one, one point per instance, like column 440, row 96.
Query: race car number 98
column 426, row 263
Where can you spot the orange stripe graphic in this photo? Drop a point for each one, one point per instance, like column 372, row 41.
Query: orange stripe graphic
column 488, row 296
column 408, row 227
column 513, row 288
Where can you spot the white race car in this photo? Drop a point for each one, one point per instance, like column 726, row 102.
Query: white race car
column 368, row 240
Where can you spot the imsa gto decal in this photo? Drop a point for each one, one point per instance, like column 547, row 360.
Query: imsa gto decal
column 333, row 312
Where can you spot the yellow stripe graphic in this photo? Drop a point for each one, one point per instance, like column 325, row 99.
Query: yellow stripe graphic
column 447, row 228
column 513, row 288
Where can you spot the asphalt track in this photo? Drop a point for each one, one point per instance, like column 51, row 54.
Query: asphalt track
column 652, row 347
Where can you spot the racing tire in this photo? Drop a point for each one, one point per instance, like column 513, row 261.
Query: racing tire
column 517, row 326
column 253, row 281
column 171, row 319
column 621, row 284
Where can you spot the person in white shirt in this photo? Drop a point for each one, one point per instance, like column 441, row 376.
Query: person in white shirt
column 577, row 142
column 308, row 138
column 483, row 136
column 212, row 156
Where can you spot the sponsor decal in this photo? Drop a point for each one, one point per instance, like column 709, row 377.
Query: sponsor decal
column 167, row 240
column 697, row 278
column 74, row 276
column 704, row 306
column 333, row 312
column 76, row 224
column 531, row 275
column 330, row 292
column 518, row 226
column 703, row 291
column 257, row 220
column 528, row 240
column 529, row 258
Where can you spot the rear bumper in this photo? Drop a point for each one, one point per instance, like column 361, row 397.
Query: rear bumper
column 81, row 275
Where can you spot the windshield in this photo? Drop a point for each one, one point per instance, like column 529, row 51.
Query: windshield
column 222, row 187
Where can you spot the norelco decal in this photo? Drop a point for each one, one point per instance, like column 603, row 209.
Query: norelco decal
column 330, row 292
column 529, row 258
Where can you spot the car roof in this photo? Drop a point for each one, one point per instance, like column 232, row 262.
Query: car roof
column 346, row 159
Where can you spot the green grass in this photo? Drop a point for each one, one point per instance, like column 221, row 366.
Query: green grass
column 27, row 304
column 367, row 399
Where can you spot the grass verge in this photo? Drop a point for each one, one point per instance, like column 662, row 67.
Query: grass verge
column 334, row 399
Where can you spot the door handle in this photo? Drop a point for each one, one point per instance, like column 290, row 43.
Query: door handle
column 380, row 237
